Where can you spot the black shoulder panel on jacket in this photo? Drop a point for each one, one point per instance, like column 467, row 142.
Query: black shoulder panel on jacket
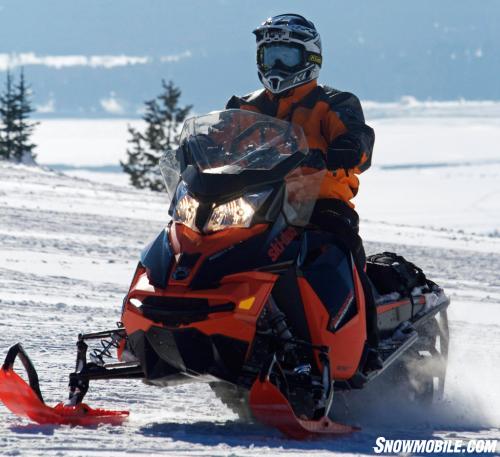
column 235, row 102
column 258, row 99
column 310, row 100
column 345, row 103
column 348, row 108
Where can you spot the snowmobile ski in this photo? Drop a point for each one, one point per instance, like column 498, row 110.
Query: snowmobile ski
column 271, row 407
column 26, row 400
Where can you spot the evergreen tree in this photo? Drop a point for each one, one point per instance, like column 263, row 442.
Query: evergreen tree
column 163, row 118
column 15, row 129
column 23, row 147
column 8, row 114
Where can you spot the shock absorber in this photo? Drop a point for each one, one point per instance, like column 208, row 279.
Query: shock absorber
column 78, row 384
column 277, row 321
column 98, row 354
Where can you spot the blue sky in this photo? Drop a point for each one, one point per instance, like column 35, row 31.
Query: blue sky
column 105, row 57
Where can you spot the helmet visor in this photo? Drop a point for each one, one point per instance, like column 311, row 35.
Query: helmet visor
column 284, row 55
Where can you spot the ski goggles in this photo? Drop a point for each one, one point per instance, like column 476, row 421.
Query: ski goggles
column 287, row 56
column 281, row 54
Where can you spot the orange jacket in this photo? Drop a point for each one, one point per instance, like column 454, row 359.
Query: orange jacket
column 324, row 114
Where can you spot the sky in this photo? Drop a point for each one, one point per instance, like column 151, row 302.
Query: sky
column 98, row 58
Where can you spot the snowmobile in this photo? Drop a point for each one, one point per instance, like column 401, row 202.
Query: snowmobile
column 242, row 292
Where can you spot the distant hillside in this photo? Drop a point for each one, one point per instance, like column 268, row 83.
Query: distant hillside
column 93, row 58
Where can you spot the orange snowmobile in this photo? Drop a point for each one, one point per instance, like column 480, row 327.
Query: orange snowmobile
column 242, row 292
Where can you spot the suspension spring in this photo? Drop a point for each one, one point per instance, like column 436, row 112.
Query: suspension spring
column 98, row 355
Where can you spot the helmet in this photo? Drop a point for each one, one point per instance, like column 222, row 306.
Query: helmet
column 288, row 52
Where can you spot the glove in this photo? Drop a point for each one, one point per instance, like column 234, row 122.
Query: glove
column 315, row 159
column 344, row 152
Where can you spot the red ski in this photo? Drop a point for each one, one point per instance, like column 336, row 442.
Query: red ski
column 26, row 400
column 270, row 407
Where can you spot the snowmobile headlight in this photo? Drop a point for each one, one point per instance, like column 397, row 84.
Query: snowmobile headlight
column 185, row 209
column 236, row 213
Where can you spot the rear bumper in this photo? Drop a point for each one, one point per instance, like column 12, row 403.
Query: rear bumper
column 172, row 356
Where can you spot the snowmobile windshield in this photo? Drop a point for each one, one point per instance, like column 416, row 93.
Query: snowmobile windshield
column 228, row 142
column 236, row 149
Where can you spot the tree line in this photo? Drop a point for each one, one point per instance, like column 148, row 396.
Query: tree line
column 163, row 117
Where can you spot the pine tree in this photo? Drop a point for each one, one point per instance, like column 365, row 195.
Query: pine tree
column 23, row 147
column 15, row 129
column 8, row 114
column 135, row 165
column 163, row 118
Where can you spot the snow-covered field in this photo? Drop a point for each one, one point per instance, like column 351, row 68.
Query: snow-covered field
column 439, row 172
column 69, row 247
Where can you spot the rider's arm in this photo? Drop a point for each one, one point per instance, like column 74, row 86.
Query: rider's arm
column 350, row 139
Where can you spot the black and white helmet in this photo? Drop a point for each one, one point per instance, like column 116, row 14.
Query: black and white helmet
column 288, row 52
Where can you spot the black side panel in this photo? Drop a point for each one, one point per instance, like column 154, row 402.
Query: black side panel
column 330, row 275
column 157, row 259
column 230, row 354
column 286, row 293
column 194, row 348
column 171, row 353
column 152, row 365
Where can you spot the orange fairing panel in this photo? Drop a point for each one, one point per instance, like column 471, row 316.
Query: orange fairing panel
column 185, row 240
column 250, row 290
column 346, row 345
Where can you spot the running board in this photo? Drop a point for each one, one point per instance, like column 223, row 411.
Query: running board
column 389, row 357
column 431, row 313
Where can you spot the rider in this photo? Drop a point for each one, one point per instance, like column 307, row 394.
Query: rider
column 288, row 62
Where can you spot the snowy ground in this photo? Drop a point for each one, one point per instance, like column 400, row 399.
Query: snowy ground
column 69, row 246
column 420, row 166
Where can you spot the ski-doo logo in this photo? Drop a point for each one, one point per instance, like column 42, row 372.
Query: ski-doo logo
column 410, row 447
column 281, row 242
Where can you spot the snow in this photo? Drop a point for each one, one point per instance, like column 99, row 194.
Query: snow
column 409, row 106
column 420, row 166
column 82, row 142
column 12, row 61
column 442, row 173
column 69, row 247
